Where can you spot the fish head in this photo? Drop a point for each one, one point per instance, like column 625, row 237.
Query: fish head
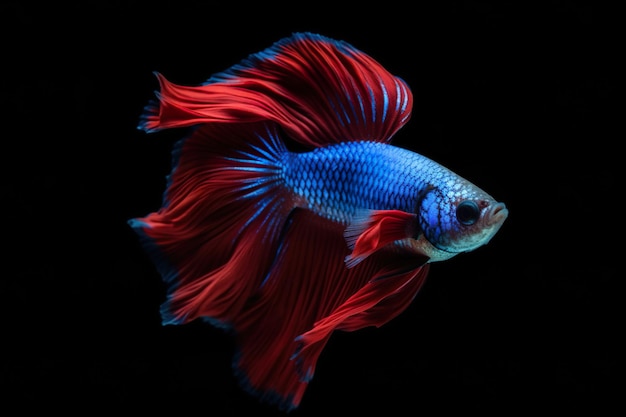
column 458, row 217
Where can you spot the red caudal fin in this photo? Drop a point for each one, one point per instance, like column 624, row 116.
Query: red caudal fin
column 318, row 90
column 218, row 229
column 309, row 293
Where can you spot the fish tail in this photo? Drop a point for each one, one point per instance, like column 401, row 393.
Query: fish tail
column 220, row 222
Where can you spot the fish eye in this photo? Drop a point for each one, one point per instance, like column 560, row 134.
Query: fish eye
column 467, row 212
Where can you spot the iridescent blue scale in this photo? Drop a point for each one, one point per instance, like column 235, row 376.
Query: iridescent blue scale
column 338, row 180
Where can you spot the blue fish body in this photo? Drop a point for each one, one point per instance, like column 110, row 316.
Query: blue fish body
column 338, row 181
column 341, row 182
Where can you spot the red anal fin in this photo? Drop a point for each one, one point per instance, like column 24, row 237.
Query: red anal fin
column 308, row 293
column 307, row 280
column 375, row 229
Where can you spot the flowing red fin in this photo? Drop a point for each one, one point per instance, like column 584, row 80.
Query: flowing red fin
column 374, row 229
column 215, row 236
column 308, row 293
column 387, row 294
column 319, row 90
column 408, row 278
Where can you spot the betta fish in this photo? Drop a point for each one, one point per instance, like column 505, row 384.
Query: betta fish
column 288, row 214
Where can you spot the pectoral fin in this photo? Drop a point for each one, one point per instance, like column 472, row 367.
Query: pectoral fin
column 374, row 229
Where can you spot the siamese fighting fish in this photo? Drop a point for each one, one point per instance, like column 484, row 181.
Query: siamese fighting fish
column 289, row 214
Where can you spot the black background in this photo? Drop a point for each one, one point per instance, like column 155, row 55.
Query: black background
column 520, row 99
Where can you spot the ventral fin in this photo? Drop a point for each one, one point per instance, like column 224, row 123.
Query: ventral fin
column 373, row 229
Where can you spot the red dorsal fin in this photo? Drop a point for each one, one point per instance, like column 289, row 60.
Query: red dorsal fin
column 319, row 90
column 373, row 229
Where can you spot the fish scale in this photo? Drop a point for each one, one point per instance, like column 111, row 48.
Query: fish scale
column 339, row 180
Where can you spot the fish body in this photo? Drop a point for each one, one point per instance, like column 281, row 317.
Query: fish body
column 280, row 246
column 339, row 180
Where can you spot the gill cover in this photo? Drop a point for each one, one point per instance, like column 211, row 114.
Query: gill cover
column 436, row 220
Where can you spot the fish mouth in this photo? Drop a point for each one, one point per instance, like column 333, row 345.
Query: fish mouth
column 498, row 214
